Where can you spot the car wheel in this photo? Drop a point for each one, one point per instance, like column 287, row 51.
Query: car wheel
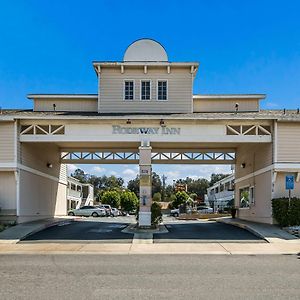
column 94, row 214
column 71, row 213
column 176, row 215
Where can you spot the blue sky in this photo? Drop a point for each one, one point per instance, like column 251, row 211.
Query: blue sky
column 242, row 46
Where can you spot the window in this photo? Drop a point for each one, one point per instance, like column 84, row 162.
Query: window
column 244, row 197
column 145, row 90
column 78, row 188
column 162, row 90
column 73, row 187
column 128, row 90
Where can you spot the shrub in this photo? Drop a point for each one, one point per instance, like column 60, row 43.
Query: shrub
column 156, row 215
column 157, row 197
column 285, row 214
column 129, row 201
column 181, row 198
column 112, row 198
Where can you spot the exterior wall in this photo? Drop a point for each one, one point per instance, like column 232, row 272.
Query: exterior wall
column 261, row 210
column 279, row 186
column 7, row 142
column 43, row 190
column 257, row 173
column 254, row 156
column 112, row 85
column 88, row 105
column 40, row 197
column 288, row 142
column 8, row 191
column 224, row 105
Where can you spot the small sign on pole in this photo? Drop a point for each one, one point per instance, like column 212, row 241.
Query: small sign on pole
column 289, row 184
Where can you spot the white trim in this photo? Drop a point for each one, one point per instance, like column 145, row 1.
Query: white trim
column 166, row 80
column 286, row 166
column 231, row 96
column 277, row 167
column 61, row 96
column 143, row 80
column 11, row 165
column 256, row 173
column 275, row 141
column 124, row 89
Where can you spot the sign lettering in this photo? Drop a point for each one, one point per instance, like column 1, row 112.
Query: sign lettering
column 117, row 129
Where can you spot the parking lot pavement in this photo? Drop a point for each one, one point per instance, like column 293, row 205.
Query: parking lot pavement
column 88, row 230
column 203, row 232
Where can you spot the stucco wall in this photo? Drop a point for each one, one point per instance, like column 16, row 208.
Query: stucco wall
column 279, row 186
column 261, row 211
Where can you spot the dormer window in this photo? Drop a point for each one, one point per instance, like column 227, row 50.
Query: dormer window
column 128, row 90
column 162, row 90
column 145, row 90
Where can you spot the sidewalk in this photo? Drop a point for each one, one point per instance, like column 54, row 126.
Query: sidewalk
column 270, row 233
column 15, row 233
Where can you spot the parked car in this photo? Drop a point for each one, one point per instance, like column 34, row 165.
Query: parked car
column 204, row 210
column 87, row 211
column 115, row 212
column 175, row 212
column 107, row 208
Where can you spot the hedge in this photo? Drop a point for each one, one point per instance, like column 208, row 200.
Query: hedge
column 285, row 214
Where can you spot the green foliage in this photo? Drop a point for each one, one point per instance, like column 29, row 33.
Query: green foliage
column 128, row 201
column 157, row 197
column 80, row 175
column 285, row 214
column 134, row 184
column 181, row 198
column 193, row 196
column 216, row 177
column 112, row 198
column 156, row 215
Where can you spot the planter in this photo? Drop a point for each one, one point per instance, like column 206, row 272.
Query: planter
column 233, row 213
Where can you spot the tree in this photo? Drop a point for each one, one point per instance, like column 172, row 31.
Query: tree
column 128, row 201
column 134, row 185
column 157, row 197
column 156, row 183
column 181, row 198
column 216, row 177
column 80, row 175
column 112, row 198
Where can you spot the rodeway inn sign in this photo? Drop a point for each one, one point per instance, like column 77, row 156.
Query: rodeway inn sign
column 116, row 129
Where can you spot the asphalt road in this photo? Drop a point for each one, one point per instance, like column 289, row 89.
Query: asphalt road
column 94, row 230
column 149, row 277
column 205, row 232
column 109, row 230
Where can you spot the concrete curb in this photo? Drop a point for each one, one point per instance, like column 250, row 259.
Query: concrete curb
column 39, row 228
column 244, row 226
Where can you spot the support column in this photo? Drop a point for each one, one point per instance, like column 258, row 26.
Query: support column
column 145, row 184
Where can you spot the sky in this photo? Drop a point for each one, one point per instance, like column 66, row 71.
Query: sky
column 242, row 46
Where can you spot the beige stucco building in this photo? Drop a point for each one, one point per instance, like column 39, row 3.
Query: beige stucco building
column 144, row 113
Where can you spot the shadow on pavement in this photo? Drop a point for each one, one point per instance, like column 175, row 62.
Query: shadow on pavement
column 205, row 232
column 82, row 231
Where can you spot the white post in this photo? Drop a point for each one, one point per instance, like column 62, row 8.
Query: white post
column 145, row 185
